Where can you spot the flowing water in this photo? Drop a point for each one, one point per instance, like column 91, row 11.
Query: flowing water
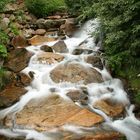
column 42, row 84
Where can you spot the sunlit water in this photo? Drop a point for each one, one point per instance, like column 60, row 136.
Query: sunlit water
column 42, row 84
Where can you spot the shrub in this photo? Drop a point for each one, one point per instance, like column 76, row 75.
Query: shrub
column 42, row 8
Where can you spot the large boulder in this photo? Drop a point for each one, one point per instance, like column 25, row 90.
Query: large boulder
column 49, row 58
column 49, row 112
column 49, row 23
column 60, row 47
column 75, row 72
column 18, row 59
column 37, row 40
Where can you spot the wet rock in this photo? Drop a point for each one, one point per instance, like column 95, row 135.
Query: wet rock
column 46, row 48
column 103, row 136
column 85, row 118
column 78, row 96
column 111, row 109
column 53, row 111
column 49, row 58
column 10, row 95
column 95, row 61
column 82, row 51
column 8, row 138
column 18, row 59
column 37, row 40
column 19, row 41
column 60, row 47
column 25, row 80
column 75, row 72
column 40, row 31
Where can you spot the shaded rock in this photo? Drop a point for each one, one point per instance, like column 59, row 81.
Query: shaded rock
column 53, row 112
column 12, row 17
column 70, row 26
column 25, row 80
column 40, row 23
column 75, row 72
column 4, row 23
column 40, row 31
column 103, row 136
column 18, row 59
column 78, row 96
column 46, row 48
column 82, row 51
column 49, row 58
column 53, row 23
column 60, row 47
column 49, row 23
column 10, row 95
column 19, row 41
column 37, row 40
column 109, row 108
column 95, row 61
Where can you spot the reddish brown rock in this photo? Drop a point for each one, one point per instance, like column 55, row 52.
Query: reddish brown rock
column 37, row 40
column 18, row 59
column 85, row 118
column 51, row 112
column 49, row 57
column 10, row 95
column 109, row 108
column 75, row 72
column 19, row 41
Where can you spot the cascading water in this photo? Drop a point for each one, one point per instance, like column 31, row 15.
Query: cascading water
column 42, row 85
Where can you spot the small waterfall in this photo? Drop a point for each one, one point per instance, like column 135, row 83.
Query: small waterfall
column 42, row 85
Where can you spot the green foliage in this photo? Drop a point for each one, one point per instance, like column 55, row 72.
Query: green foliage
column 3, row 51
column 14, row 29
column 3, row 37
column 4, row 78
column 42, row 8
column 80, row 6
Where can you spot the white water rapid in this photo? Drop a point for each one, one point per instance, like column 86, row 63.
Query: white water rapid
column 42, row 84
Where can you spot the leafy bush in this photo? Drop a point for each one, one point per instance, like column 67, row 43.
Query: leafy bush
column 42, row 8
column 3, row 51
